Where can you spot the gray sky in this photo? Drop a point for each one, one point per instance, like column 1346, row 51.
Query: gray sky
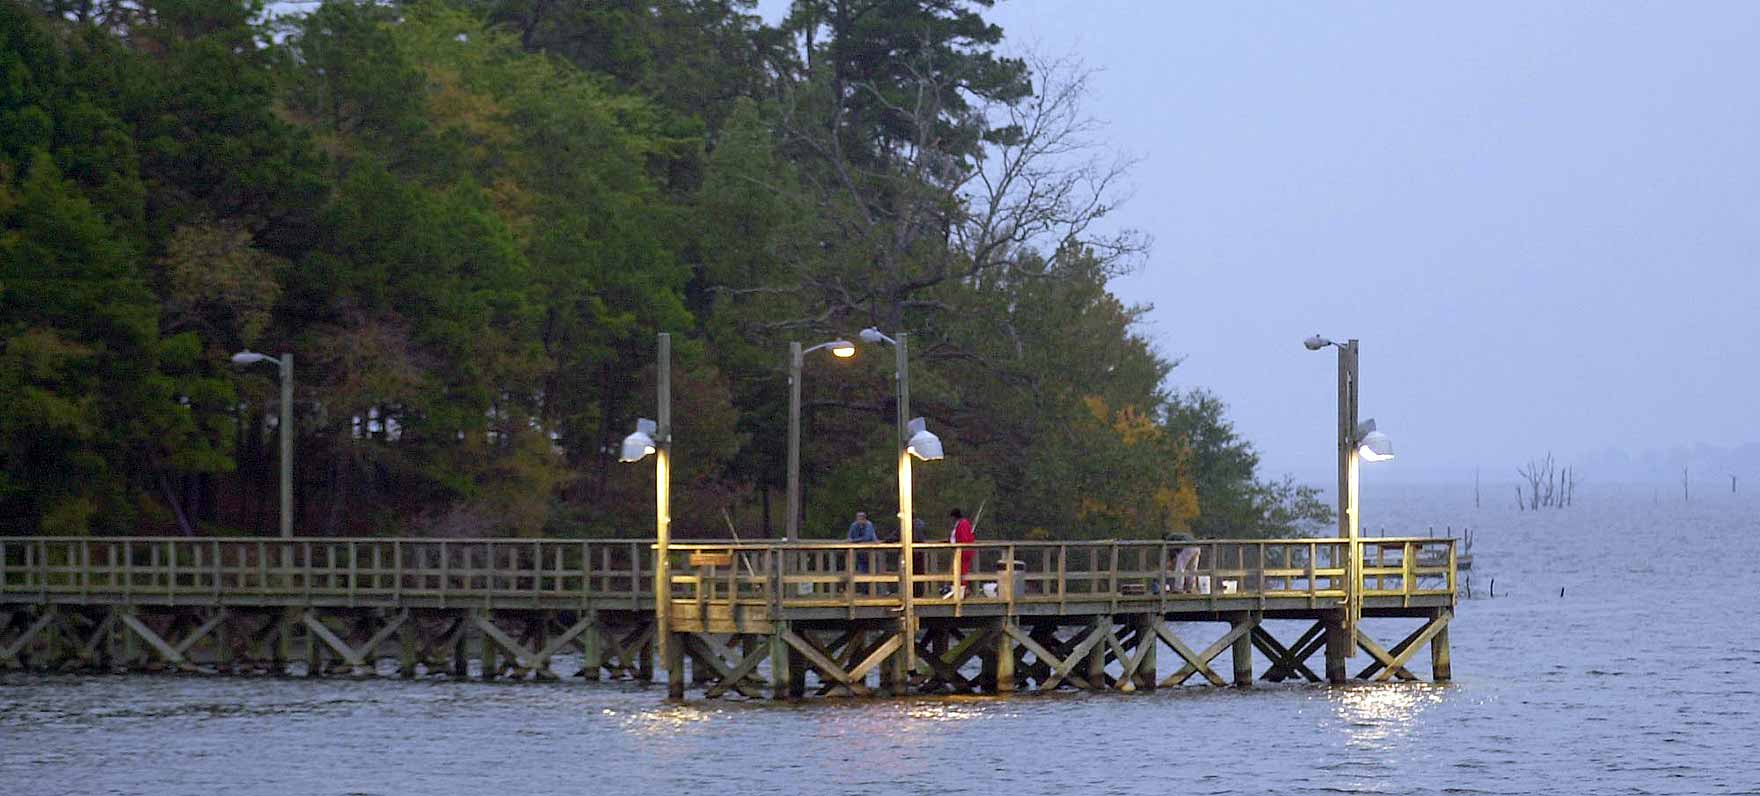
column 1541, row 219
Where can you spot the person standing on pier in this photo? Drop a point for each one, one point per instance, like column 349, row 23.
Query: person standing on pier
column 962, row 534
column 862, row 532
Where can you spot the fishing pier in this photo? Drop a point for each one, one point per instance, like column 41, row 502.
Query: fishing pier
column 760, row 620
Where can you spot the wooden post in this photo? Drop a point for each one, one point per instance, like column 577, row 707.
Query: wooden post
column 1440, row 669
column 461, row 659
column 592, row 650
column 674, row 649
column 222, row 648
column 1243, row 653
column 486, row 647
column 1097, row 656
column 645, row 656
column 406, row 648
column 663, row 638
column 906, row 532
column 1004, row 653
column 899, row 667
column 1146, row 678
column 1337, row 644
column 314, row 652
column 781, row 678
column 131, row 651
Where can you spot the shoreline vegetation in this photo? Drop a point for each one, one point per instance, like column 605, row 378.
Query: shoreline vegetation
column 468, row 219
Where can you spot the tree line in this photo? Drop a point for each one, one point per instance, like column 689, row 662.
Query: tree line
column 469, row 218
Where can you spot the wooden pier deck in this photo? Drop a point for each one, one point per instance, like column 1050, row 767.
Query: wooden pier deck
column 755, row 619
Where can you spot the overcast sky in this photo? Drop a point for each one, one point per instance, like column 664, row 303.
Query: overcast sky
column 1541, row 219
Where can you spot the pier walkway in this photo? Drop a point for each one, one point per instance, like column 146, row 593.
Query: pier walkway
column 765, row 619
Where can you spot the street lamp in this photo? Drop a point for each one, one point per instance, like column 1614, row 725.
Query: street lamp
column 1356, row 442
column 842, row 349
column 285, row 361
column 651, row 437
column 913, row 440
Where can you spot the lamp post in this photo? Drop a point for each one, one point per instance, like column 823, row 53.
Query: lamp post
column 285, row 361
column 842, row 349
column 914, row 439
column 1356, row 442
column 656, row 438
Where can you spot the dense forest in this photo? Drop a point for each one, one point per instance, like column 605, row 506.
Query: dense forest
column 468, row 220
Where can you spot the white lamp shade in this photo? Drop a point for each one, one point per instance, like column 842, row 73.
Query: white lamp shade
column 872, row 335
column 247, row 358
column 923, row 443
column 1375, row 447
column 843, row 349
column 638, row 445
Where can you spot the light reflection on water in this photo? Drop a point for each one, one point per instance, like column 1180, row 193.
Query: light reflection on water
column 1640, row 680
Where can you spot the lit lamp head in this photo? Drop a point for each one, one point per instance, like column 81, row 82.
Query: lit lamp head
column 638, row 445
column 922, row 443
column 873, row 335
column 1373, row 445
column 843, row 349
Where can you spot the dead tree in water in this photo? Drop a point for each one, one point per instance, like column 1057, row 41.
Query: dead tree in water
column 1548, row 484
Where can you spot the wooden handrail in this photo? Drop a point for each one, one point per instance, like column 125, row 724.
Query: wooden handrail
column 774, row 573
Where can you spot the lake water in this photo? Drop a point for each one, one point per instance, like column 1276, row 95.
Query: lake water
column 1643, row 677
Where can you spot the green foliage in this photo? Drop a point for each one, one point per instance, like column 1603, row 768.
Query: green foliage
column 467, row 219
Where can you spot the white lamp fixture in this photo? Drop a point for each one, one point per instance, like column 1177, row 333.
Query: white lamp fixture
column 1372, row 445
column 873, row 335
column 639, row 445
column 923, row 443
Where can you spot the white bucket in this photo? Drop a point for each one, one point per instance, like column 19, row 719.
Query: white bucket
column 1203, row 584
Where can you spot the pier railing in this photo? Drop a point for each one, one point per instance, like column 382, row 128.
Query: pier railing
column 619, row 573
column 342, row 572
column 1027, row 574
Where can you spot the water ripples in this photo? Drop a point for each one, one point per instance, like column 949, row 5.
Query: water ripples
column 1639, row 680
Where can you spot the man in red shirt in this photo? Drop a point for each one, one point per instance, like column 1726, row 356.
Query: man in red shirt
column 962, row 534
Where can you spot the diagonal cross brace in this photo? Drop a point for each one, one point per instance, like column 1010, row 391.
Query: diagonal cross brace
column 1061, row 669
column 1396, row 664
column 1199, row 663
column 522, row 656
column 817, row 658
column 24, row 639
column 731, row 677
column 1292, row 660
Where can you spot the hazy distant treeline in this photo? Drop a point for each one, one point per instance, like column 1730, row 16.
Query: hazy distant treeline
column 468, row 220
